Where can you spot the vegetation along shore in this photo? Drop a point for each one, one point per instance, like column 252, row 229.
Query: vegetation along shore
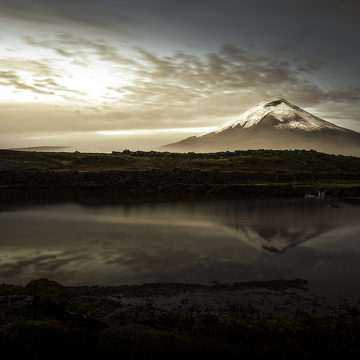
column 223, row 174
column 45, row 319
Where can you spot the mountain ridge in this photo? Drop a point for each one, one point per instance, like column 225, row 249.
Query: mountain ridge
column 282, row 108
column 274, row 124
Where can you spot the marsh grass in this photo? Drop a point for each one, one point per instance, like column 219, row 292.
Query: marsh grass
column 145, row 331
column 280, row 161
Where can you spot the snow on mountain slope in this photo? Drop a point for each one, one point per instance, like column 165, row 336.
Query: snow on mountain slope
column 274, row 124
column 290, row 117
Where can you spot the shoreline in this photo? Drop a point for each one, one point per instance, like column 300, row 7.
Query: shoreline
column 252, row 299
column 61, row 320
column 277, row 319
column 158, row 175
column 150, row 190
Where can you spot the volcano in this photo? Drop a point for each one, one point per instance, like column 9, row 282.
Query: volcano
column 274, row 124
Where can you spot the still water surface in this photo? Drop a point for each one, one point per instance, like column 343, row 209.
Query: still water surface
column 189, row 242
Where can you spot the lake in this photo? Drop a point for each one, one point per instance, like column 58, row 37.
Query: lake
column 312, row 238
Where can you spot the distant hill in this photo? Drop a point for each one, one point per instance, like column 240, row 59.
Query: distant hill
column 45, row 148
column 274, row 124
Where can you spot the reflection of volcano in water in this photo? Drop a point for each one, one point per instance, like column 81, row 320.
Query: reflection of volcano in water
column 277, row 239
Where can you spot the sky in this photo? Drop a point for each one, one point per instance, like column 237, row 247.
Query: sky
column 109, row 75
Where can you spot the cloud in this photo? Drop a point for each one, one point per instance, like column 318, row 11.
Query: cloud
column 182, row 79
column 91, row 65
column 339, row 14
column 13, row 80
column 308, row 64
column 162, row 91
column 51, row 84
column 37, row 68
column 77, row 12
column 39, row 86
column 8, row 75
column 80, row 49
column 303, row 34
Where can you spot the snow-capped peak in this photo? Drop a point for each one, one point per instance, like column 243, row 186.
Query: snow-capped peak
column 289, row 116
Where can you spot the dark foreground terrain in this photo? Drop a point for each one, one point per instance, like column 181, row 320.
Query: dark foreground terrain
column 47, row 320
column 222, row 174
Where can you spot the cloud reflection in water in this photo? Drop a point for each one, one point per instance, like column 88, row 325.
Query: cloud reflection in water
column 174, row 242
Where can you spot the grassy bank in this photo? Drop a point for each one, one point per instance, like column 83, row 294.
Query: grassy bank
column 161, row 174
column 273, row 161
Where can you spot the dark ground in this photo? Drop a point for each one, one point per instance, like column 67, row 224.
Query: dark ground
column 138, row 331
column 276, row 161
column 161, row 174
column 54, row 325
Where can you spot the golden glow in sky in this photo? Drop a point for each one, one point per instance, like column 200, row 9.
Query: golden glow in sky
column 133, row 68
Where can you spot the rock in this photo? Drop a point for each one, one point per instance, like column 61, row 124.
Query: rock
column 17, row 301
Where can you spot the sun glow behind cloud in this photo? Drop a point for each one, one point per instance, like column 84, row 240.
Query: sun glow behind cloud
column 135, row 77
column 45, row 67
column 69, row 81
column 156, row 131
column 96, row 83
